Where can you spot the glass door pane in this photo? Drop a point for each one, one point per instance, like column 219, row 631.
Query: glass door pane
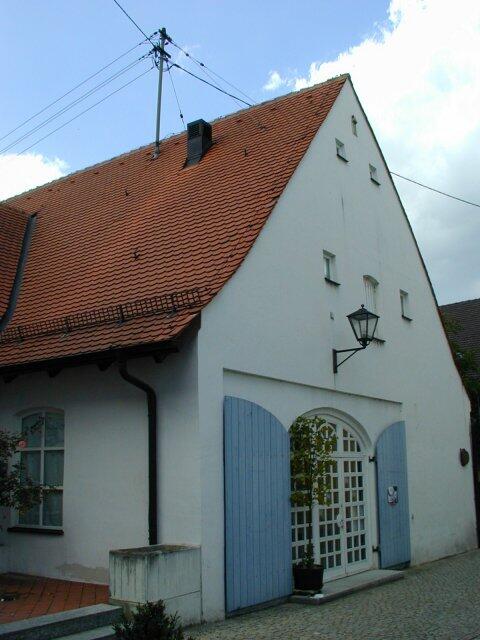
column 330, row 519
column 355, row 513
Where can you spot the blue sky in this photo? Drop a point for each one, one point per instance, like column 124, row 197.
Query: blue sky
column 414, row 63
column 47, row 47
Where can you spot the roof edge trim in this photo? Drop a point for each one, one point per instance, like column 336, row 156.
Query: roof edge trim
column 17, row 282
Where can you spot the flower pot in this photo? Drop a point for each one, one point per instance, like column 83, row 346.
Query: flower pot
column 308, row 578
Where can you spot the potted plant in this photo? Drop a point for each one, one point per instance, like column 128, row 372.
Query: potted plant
column 312, row 441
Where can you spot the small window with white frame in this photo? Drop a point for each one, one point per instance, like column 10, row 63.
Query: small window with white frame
column 371, row 287
column 354, row 126
column 41, row 453
column 341, row 151
column 329, row 267
column 371, row 293
column 374, row 174
column 405, row 305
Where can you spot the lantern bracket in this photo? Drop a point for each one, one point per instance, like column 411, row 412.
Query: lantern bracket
column 335, row 353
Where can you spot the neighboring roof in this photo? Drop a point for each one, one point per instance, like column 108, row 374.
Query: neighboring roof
column 132, row 228
column 12, row 229
column 466, row 316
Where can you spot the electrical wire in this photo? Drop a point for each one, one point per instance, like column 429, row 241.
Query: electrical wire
column 86, row 110
column 204, row 66
column 210, row 84
column 77, row 86
column 443, row 193
column 210, row 73
column 133, row 22
column 72, row 104
column 176, row 98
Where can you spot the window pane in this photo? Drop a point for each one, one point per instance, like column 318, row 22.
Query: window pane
column 53, row 468
column 326, row 266
column 30, row 461
column 52, row 509
column 30, row 517
column 54, row 430
column 32, row 429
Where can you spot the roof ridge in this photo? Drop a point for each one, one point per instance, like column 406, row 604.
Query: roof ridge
column 451, row 304
column 232, row 114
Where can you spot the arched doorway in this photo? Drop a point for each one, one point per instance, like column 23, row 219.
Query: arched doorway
column 341, row 529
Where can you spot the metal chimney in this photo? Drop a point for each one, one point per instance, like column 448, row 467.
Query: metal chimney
column 199, row 140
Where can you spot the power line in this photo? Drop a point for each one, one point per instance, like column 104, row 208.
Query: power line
column 86, row 110
column 73, row 104
column 77, row 86
column 210, row 84
column 133, row 22
column 176, row 98
column 443, row 193
column 204, row 67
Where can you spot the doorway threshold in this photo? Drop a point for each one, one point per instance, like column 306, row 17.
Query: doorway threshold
column 350, row 584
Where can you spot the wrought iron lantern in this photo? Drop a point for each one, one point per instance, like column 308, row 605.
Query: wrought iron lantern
column 364, row 324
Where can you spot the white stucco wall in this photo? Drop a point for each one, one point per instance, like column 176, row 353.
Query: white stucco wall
column 105, row 476
column 268, row 337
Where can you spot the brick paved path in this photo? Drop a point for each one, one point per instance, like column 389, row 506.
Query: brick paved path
column 440, row 601
column 38, row 596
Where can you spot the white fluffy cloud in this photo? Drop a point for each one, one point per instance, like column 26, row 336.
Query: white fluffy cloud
column 21, row 172
column 274, row 82
column 418, row 77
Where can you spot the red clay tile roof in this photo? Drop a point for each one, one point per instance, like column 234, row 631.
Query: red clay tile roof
column 134, row 227
column 466, row 316
column 12, row 228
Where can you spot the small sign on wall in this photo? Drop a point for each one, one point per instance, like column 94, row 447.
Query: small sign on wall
column 392, row 495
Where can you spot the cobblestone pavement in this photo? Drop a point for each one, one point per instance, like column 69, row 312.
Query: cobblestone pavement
column 440, row 600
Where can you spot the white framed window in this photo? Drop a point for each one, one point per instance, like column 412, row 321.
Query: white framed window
column 405, row 305
column 341, row 151
column 354, row 126
column 373, row 174
column 41, row 453
column 371, row 287
column 371, row 293
column 329, row 267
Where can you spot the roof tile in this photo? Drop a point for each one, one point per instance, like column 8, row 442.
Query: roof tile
column 134, row 227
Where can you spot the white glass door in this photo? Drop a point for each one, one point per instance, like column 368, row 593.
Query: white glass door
column 340, row 529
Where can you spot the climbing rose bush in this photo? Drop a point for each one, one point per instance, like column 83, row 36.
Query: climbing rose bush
column 17, row 490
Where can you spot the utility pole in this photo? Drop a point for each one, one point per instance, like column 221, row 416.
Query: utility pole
column 163, row 55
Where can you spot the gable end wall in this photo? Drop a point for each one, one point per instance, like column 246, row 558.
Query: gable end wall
column 269, row 334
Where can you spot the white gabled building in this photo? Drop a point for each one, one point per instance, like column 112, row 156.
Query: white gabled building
column 235, row 270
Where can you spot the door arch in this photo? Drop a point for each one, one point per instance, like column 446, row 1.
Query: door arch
column 341, row 530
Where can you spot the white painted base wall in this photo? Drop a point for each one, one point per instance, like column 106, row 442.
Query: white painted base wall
column 163, row 572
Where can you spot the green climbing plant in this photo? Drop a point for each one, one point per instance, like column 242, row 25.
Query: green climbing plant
column 17, row 490
column 312, row 442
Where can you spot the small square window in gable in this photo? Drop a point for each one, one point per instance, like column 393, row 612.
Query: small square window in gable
column 341, row 151
column 329, row 268
column 405, row 305
column 373, row 174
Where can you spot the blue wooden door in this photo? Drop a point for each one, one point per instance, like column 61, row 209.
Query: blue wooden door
column 258, row 564
column 392, row 496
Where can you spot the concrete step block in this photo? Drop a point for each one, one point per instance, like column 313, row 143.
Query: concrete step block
column 101, row 633
column 57, row 625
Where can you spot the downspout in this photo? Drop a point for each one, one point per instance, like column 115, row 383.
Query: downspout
column 152, row 449
column 22, row 261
